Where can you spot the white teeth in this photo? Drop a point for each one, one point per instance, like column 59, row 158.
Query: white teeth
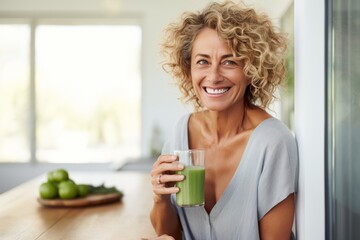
column 216, row 91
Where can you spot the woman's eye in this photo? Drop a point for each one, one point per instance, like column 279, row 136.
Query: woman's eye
column 202, row 62
column 229, row 62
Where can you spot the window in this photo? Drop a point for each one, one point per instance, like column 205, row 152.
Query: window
column 86, row 88
column 343, row 163
column 14, row 92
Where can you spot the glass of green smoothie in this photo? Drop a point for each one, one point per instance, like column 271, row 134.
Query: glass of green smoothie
column 191, row 191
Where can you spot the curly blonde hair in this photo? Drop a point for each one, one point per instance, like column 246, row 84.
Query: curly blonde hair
column 252, row 38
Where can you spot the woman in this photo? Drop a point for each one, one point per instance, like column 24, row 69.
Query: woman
column 228, row 61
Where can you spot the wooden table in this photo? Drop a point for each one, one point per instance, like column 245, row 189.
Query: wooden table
column 22, row 217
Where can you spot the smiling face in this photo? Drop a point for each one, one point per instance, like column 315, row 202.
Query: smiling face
column 218, row 78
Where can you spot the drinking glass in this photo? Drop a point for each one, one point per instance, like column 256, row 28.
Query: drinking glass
column 192, row 187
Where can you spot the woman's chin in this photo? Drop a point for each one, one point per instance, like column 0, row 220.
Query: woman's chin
column 216, row 107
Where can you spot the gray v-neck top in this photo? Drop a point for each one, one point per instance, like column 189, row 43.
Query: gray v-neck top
column 266, row 175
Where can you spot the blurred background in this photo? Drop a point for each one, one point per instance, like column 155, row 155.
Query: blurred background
column 82, row 87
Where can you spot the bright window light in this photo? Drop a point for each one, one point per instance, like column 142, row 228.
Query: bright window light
column 88, row 90
column 14, row 93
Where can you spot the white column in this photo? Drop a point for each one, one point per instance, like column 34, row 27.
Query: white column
column 309, row 116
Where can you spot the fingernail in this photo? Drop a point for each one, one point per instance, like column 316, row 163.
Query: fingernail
column 180, row 166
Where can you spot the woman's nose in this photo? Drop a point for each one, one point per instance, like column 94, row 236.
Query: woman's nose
column 214, row 74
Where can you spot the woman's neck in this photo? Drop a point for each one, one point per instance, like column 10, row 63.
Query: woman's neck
column 225, row 124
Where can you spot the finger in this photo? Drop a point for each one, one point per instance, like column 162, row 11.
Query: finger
column 166, row 179
column 162, row 237
column 166, row 168
column 160, row 190
column 156, row 180
column 165, row 237
column 173, row 178
column 166, row 159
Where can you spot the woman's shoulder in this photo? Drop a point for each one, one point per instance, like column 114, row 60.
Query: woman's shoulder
column 183, row 121
column 274, row 136
column 263, row 122
column 275, row 127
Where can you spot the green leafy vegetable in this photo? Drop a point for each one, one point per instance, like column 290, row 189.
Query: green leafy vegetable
column 102, row 189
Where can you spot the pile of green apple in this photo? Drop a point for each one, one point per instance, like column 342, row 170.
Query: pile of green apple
column 60, row 185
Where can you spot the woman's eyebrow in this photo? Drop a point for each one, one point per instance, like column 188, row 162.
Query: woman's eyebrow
column 227, row 56
column 202, row 55
column 208, row 56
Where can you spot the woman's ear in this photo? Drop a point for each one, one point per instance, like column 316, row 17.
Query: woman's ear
column 248, row 81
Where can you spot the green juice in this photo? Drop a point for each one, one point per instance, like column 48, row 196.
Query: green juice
column 192, row 187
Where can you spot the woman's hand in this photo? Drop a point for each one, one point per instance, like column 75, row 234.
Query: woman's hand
column 164, row 177
column 162, row 237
